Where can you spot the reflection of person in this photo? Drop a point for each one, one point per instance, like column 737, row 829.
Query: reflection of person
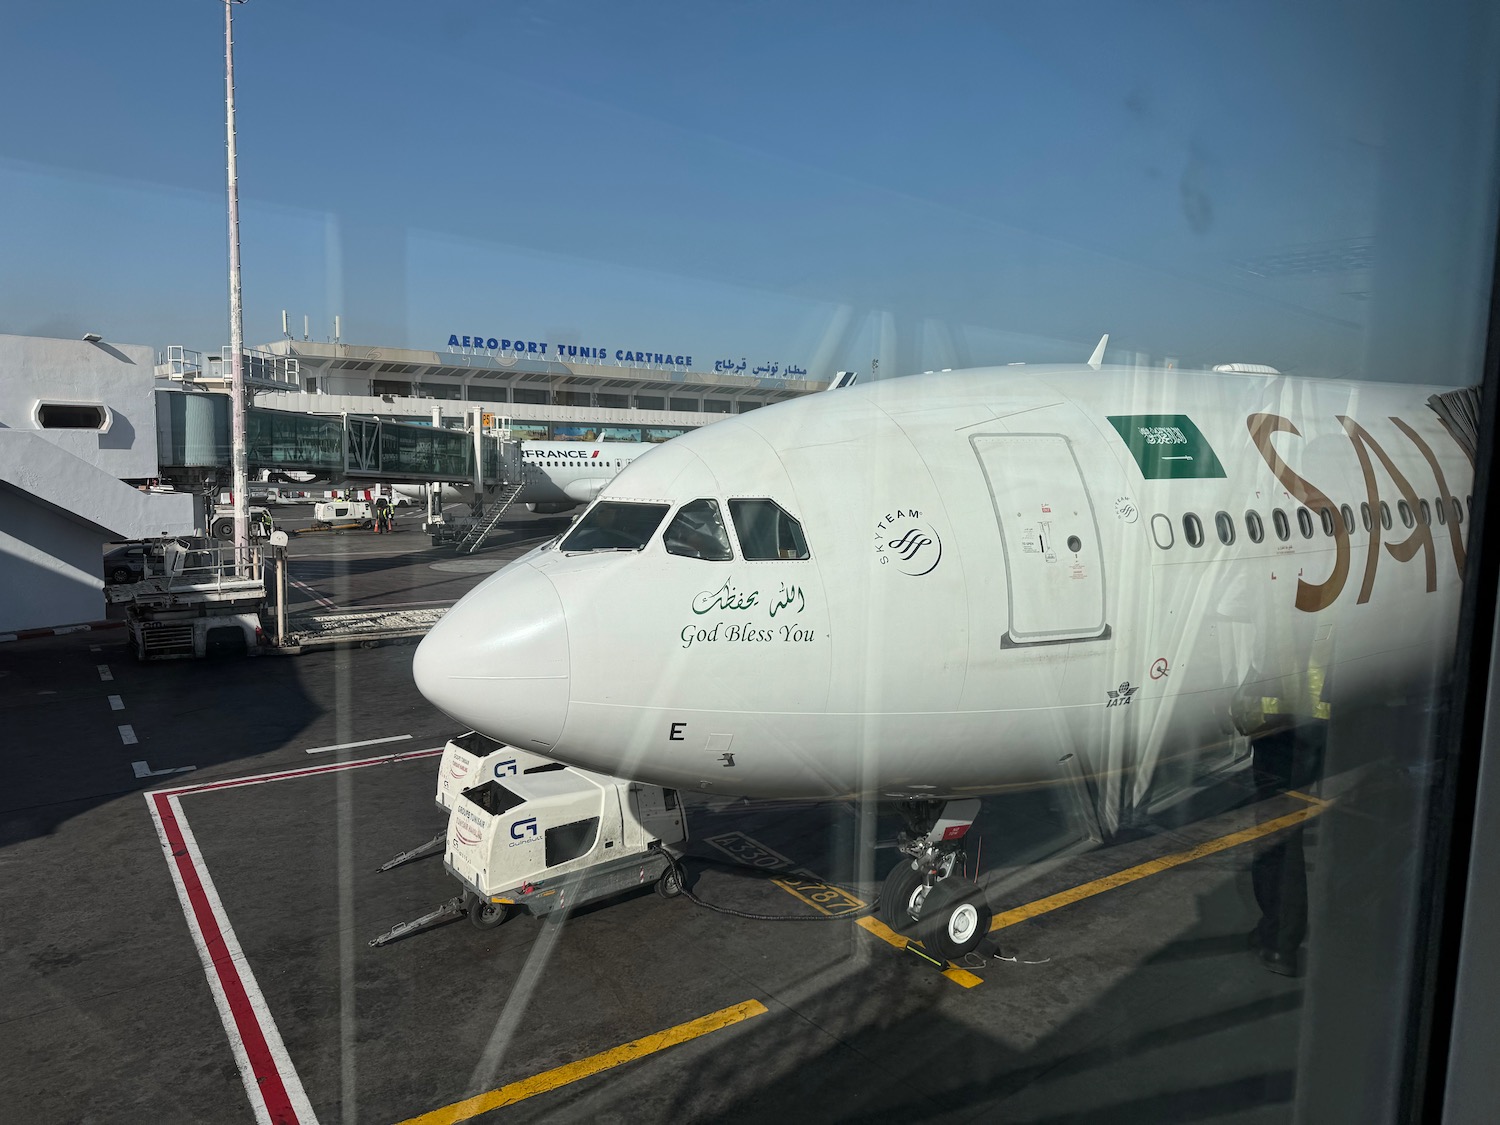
column 1291, row 758
column 1288, row 754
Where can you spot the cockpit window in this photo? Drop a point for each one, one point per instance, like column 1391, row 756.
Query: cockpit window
column 697, row 531
column 766, row 530
column 615, row 526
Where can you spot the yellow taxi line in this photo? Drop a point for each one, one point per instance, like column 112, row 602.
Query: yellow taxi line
column 1156, row 866
column 901, row 941
column 572, row 1072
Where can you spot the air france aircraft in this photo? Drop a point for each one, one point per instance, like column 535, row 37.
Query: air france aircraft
column 932, row 588
column 558, row 476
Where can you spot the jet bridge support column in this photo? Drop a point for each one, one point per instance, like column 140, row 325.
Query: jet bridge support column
column 477, row 425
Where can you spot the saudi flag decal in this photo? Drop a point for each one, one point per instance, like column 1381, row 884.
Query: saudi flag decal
column 1167, row 446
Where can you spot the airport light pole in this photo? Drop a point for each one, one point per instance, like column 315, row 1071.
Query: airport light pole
column 238, row 459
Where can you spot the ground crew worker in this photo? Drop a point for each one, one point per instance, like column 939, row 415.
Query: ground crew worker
column 1289, row 734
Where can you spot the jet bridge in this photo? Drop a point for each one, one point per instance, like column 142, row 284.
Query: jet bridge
column 193, row 443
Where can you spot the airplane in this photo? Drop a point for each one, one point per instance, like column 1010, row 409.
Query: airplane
column 559, row 475
column 928, row 589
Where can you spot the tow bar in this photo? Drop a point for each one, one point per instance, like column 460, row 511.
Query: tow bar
column 453, row 908
column 432, row 847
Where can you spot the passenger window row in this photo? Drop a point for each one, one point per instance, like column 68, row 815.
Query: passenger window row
column 1328, row 518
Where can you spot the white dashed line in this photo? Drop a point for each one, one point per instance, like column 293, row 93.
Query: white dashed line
column 143, row 770
column 105, row 674
column 313, row 594
column 127, row 734
column 352, row 745
column 116, row 703
column 96, row 648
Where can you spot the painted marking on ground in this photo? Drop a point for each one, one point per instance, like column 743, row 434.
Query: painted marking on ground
column 96, row 648
column 105, row 674
column 1154, row 867
column 826, row 898
column 116, row 703
column 141, row 769
column 605, row 1060
column 352, row 745
column 799, row 882
column 271, row 1082
column 276, row 1093
column 901, row 941
column 1308, row 797
column 313, row 594
column 127, row 734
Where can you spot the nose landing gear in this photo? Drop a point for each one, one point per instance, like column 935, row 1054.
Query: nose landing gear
column 922, row 896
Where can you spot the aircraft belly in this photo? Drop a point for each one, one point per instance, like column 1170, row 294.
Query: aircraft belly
column 818, row 755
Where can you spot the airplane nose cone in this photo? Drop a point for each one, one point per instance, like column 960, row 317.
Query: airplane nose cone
column 498, row 660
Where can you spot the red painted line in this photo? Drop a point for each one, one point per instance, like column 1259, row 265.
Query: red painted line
column 61, row 630
column 268, row 1078
column 304, row 771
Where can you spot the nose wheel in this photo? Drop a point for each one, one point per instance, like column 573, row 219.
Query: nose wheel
column 922, row 896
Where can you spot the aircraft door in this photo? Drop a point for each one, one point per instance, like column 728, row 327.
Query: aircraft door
column 1053, row 558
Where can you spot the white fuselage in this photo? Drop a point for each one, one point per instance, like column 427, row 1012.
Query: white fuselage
column 572, row 472
column 1001, row 577
column 556, row 474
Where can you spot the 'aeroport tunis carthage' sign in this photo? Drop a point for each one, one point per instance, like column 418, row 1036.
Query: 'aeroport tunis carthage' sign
column 542, row 348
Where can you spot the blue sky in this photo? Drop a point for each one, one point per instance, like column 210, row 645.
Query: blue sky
column 1308, row 185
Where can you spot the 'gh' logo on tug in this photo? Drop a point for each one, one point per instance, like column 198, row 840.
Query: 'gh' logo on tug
column 523, row 829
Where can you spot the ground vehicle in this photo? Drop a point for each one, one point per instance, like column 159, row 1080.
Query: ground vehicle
column 550, row 840
column 190, row 602
column 344, row 511
column 127, row 562
column 261, row 523
column 526, row 833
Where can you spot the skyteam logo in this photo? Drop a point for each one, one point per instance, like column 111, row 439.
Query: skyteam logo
column 907, row 542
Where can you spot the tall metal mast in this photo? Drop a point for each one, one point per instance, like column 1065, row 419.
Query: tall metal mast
column 238, row 460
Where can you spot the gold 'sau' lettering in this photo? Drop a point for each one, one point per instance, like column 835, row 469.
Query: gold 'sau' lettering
column 1311, row 596
column 1445, row 498
column 1421, row 537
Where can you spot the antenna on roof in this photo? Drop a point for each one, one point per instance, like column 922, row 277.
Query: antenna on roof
column 1098, row 357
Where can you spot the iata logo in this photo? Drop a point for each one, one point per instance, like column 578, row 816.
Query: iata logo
column 907, row 542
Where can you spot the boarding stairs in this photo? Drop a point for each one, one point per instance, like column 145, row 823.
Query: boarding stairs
column 482, row 527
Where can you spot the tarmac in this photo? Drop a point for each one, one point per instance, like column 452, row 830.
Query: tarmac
column 188, row 884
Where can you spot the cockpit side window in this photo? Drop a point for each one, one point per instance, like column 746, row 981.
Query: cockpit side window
column 766, row 530
column 697, row 532
column 615, row 525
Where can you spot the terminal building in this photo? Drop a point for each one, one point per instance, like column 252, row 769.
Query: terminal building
column 86, row 426
column 78, row 443
column 543, row 390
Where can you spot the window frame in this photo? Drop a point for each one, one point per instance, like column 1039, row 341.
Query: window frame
column 1192, row 530
column 734, row 526
column 1255, row 527
column 1224, row 528
column 666, row 530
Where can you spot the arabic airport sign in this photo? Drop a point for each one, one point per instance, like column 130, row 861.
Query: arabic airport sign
column 631, row 357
